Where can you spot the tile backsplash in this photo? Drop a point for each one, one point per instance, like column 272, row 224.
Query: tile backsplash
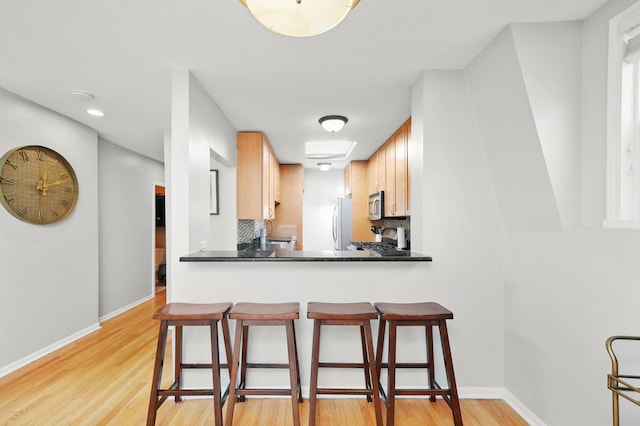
column 248, row 229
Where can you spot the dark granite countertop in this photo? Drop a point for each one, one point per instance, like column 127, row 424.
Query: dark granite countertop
column 302, row 256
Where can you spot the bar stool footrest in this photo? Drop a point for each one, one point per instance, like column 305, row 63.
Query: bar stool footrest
column 198, row 366
column 340, row 365
column 267, row 365
column 263, row 392
column 342, row 391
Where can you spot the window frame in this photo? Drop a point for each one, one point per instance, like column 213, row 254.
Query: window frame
column 619, row 25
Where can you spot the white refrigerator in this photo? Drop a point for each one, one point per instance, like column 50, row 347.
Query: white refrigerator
column 342, row 223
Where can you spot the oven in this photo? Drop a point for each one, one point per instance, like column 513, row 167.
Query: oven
column 376, row 205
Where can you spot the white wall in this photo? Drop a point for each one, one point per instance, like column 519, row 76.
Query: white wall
column 550, row 56
column 321, row 190
column 223, row 235
column 126, row 191
column 462, row 229
column 49, row 287
column 200, row 136
column 565, row 291
column 510, row 138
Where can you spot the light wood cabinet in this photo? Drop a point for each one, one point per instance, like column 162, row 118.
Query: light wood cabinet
column 289, row 220
column 356, row 179
column 389, row 150
column 347, row 181
column 388, row 171
column 256, row 177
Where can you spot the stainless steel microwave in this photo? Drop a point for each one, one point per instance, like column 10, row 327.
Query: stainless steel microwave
column 376, row 205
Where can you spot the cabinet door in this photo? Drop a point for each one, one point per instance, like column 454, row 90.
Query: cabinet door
column 268, row 204
column 400, row 147
column 407, row 132
column 347, row 180
column 249, row 176
column 390, row 177
column 382, row 171
column 372, row 172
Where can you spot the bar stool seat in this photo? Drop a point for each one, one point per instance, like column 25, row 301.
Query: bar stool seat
column 427, row 315
column 264, row 314
column 344, row 314
column 189, row 314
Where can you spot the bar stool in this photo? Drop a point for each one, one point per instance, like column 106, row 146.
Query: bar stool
column 189, row 314
column 427, row 315
column 264, row 314
column 344, row 314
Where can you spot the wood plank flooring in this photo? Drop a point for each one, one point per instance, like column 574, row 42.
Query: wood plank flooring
column 105, row 378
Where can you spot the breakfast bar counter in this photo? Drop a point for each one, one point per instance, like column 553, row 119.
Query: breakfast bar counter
column 303, row 256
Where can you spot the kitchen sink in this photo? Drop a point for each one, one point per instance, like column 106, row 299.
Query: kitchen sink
column 280, row 244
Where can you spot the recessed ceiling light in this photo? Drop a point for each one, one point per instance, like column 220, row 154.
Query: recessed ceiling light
column 95, row 112
column 328, row 150
column 81, row 94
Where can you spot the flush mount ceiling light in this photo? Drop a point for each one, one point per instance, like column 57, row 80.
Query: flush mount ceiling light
column 324, row 166
column 299, row 18
column 333, row 123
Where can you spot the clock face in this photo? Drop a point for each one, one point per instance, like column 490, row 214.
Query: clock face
column 37, row 185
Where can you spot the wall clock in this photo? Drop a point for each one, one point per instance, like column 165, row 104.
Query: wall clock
column 37, row 185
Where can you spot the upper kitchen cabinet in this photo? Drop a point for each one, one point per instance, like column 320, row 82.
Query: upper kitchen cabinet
column 257, row 177
column 389, row 172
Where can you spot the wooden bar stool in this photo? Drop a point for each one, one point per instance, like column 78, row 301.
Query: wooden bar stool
column 426, row 315
column 264, row 314
column 190, row 314
column 344, row 314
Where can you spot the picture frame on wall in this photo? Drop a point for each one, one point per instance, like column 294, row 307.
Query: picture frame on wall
column 213, row 192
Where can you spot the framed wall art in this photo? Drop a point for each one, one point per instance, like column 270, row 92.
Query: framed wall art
column 213, row 192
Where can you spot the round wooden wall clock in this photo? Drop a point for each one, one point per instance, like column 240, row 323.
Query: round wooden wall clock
column 37, row 185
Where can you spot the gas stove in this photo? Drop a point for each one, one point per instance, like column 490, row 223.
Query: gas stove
column 382, row 249
column 387, row 247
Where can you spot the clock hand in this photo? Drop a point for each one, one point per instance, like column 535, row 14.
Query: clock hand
column 46, row 185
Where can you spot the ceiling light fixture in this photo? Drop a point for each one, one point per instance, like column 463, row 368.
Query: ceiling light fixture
column 81, row 94
column 333, row 123
column 299, row 18
column 324, row 166
column 95, row 112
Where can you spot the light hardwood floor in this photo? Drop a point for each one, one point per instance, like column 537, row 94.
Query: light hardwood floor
column 104, row 379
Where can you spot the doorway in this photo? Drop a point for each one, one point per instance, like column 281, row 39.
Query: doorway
column 160, row 256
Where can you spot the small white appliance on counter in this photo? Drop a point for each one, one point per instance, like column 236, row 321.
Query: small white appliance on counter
column 342, row 229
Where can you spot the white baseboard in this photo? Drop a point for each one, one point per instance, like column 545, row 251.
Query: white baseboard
column 125, row 308
column 522, row 410
column 47, row 350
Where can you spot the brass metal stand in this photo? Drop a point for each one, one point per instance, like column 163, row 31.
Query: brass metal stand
column 619, row 383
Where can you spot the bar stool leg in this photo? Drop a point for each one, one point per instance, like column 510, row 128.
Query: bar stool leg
column 177, row 359
column 366, row 363
column 243, row 365
column 293, row 372
column 234, row 373
column 314, row 372
column 157, row 373
column 448, row 363
column 428, row 329
column 372, row 371
column 379, row 353
column 391, row 374
column 295, row 348
column 215, row 366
